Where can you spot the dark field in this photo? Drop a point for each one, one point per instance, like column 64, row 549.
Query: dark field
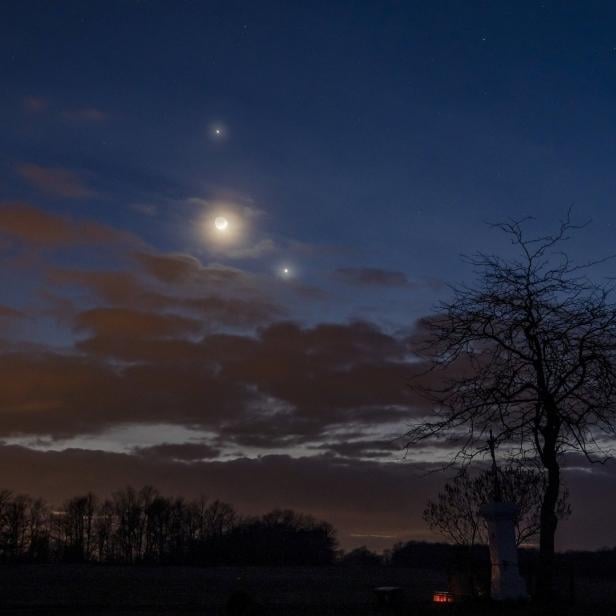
column 110, row 590
column 91, row 589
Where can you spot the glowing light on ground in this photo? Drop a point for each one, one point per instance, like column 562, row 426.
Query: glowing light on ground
column 442, row 597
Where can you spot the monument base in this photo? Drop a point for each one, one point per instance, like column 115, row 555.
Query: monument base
column 506, row 583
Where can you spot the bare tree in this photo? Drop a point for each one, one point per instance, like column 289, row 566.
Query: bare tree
column 455, row 512
column 104, row 531
column 143, row 526
column 529, row 351
column 77, row 521
column 128, row 511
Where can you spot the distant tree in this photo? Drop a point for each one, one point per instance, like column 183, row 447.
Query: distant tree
column 38, row 531
column 130, row 524
column 455, row 512
column 16, row 525
column 104, row 532
column 281, row 537
column 77, row 523
column 529, row 351
column 361, row 557
column 179, row 524
column 157, row 511
column 137, row 526
column 421, row 555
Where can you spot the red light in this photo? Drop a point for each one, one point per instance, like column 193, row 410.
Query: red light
column 442, row 597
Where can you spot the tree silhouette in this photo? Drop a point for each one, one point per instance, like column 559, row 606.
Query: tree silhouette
column 143, row 526
column 529, row 351
column 455, row 512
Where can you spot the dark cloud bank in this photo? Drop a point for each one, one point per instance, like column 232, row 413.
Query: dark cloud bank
column 155, row 338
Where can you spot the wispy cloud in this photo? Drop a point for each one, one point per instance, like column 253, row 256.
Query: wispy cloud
column 55, row 181
column 35, row 104
column 38, row 228
column 371, row 276
column 86, row 114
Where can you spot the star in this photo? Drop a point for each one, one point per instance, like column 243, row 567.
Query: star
column 217, row 131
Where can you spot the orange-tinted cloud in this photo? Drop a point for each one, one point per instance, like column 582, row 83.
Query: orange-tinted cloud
column 359, row 498
column 285, row 385
column 126, row 323
column 126, row 289
column 55, row 181
column 86, row 114
column 36, row 227
column 370, row 503
column 35, row 104
column 371, row 276
column 164, row 338
column 179, row 268
column 6, row 312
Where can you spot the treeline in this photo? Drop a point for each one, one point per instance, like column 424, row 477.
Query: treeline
column 144, row 526
column 456, row 558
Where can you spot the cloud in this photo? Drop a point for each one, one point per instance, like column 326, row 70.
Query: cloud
column 283, row 386
column 9, row 318
column 371, row 276
column 86, row 114
column 126, row 289
column 6, row 312
column 63, row 395
column 334, row 370
column 186, row 452
column 35, row 104
column 55, row 181
column 364, row 499
column 147, row 209
column 260, row 249
column 39, row 104
column 365, row 448
column 126, row 323
column 359, row 498
column 36, row 227
column 164, row 338
column 181, row 268
column 376, row 277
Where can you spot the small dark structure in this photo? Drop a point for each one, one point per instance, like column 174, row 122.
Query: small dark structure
column 387, row 596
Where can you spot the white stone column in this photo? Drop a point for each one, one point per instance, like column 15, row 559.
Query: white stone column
column 506, row 582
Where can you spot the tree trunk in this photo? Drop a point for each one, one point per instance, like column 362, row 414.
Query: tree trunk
column 549, row 522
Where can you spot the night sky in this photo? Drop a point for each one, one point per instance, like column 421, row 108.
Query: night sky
column 349, row 153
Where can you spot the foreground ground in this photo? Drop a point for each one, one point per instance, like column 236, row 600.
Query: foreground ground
column 107, row 590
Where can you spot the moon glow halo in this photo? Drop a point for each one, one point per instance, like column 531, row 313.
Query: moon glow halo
column 221, row 223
